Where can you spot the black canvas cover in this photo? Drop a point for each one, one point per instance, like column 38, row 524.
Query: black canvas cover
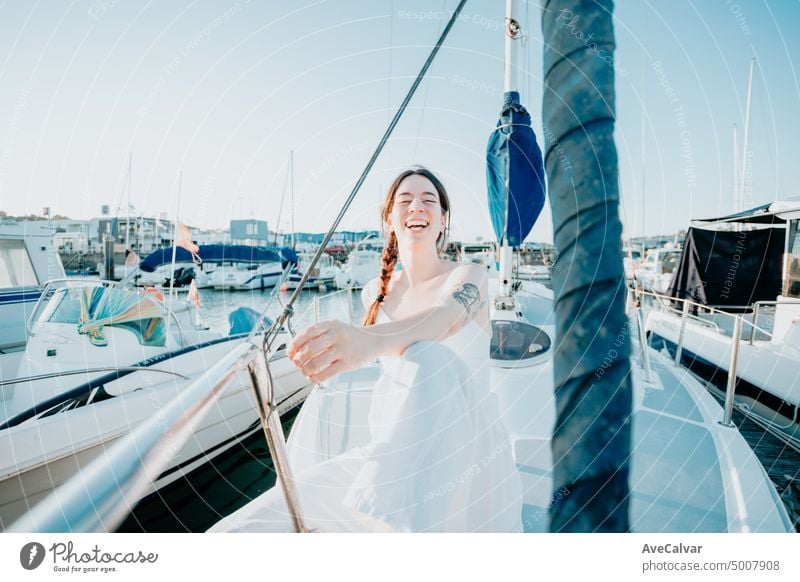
column 758, row 215
column 729, row 268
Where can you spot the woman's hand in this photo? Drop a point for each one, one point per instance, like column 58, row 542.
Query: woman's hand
column 331, row 347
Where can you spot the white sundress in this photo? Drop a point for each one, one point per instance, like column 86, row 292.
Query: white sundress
column 436, row 456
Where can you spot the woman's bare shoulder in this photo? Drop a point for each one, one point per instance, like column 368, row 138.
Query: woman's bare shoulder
column 461, row 273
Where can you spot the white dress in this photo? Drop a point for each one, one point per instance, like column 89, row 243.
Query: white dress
column 434, row 455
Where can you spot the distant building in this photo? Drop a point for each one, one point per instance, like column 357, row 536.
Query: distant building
column 249, row 232
column 142, row 234
column 71, row 242
column 211, row 236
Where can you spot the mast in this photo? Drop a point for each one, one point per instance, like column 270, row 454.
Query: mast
column 644, row 163
column 128, row 211
column 280, row 211
column 291, row 188
column 513, row 37
column 513, row 34
column 743, row 175
column 174, row 248
column 592, row 435
column 736, row 205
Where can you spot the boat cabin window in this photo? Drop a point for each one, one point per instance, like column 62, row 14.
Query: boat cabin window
column 517, row 341
column 791, row 280
column 16, row 269
column 63, row 306
column 100, row 307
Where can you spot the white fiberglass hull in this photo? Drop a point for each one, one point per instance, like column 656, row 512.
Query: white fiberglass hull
column 16, row 306
column 38, row 455
column 767, row 371
column 227, row 279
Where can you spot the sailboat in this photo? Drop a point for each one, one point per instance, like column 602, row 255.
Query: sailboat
column 735, row 272
column 363, row 264
column 601, row 441
column 100, row 360
column 667, row 439
column 734, row 269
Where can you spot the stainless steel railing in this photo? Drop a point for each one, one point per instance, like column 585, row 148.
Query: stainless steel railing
column 97, row 499
column 738, row 322
column 47, row 376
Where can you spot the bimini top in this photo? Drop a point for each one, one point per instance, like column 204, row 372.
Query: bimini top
column 778, row 212
column 220, row 254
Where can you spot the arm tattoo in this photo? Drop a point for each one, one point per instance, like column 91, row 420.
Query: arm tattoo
column 469, row 296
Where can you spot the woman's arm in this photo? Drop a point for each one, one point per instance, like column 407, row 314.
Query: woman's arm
column 463, row 302
column 331, row 347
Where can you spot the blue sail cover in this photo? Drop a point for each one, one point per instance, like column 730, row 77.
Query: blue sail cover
column 514, row 173
column 220, row 254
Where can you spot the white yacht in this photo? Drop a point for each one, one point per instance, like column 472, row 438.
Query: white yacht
column 322, row 277
column 655, row 272
column 480, row 253
column 157, row 268
column 246, row 267
column 677, row 441
column 363, row 264
column 742, row 267
column 683, row 470
column 27, row 261
column 100, row 360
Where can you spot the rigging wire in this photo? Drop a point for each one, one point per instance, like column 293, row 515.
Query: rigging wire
column 280, row 207
column 288, row 309
column 424, row 104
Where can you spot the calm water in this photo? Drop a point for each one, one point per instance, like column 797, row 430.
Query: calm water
column 217, row 305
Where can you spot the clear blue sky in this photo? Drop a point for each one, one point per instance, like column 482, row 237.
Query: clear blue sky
column 224, row 90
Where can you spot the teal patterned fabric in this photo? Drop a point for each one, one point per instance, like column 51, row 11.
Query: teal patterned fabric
column 103, row 306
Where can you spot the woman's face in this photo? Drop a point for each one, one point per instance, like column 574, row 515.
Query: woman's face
column 416, row 217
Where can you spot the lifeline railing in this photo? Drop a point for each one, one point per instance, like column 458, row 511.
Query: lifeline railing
column 102, row 494
column 738, row 322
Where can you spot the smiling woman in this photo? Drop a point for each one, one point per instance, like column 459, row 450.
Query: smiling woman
column 437, row 456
